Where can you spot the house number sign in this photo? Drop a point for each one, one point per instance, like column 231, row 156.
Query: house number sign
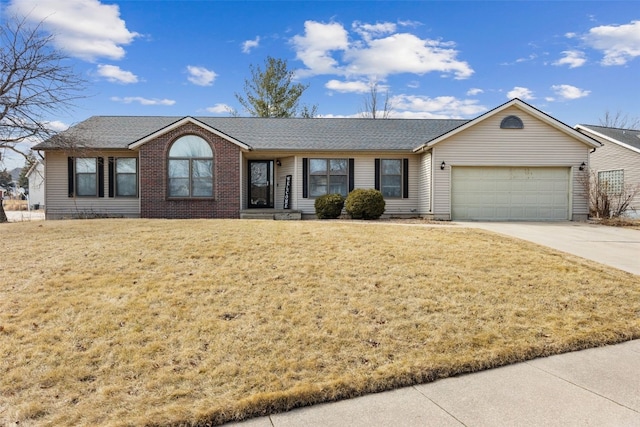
column 287, row 191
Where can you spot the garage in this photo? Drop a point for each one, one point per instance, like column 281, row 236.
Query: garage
column 510, row 193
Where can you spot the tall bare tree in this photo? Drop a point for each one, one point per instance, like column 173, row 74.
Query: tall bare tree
column 35, row 83
column 271, row 92
column 619, row 120
column 373, row 107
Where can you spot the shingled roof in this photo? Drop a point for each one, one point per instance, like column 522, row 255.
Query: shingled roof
column 293, row 134
column 630, row 137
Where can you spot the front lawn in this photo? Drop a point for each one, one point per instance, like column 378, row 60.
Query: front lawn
column 133, row 322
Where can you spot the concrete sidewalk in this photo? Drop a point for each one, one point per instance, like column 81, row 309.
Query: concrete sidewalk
column 596, row 387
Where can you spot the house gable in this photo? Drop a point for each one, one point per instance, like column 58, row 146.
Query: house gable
column 513, row 105
column 155, row 201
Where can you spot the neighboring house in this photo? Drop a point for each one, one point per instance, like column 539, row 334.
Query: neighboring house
column 618, row 161
column 511, row 163
column 35, row 175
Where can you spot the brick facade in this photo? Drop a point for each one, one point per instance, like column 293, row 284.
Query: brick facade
column 154, row 200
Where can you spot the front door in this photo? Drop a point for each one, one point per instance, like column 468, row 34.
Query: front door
column 260, row 183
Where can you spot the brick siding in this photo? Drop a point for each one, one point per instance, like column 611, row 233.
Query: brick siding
column 154, row 200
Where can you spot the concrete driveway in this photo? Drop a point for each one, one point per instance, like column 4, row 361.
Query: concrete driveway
column 614, row 246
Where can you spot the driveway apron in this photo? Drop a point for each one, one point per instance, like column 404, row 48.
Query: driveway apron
column 617, row 247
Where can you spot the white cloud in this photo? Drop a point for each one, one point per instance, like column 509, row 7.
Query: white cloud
column 619, row 43
column 348, row 87
column 566, row 92
column 474, row 91
column 200, row 76
column 114, row 74
column 572, row 58
column 520, row 92
column 379, row 52
column 250, row 44
column 143, row 101
column 367, row 31
column 411, row 106
column 86, row 29
column 219, row 109
column 405, row 53
column 315, row 47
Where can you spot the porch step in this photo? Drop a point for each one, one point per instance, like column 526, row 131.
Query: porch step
column 273, row 214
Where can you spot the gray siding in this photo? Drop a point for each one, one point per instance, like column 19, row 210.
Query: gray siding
column 613, row 156
column 485, row 144
column 60, row 205
column 424, row 182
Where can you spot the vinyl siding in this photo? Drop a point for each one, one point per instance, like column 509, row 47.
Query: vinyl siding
column 60, row 205
column 613, row 156
column 364, row 177
column 485, row 144
column 287, row 168
column 424, row 183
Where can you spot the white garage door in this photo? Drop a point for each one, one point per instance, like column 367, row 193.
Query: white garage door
column 509, row 194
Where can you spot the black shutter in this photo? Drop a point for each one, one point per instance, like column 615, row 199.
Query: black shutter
column 377, row 172
column 100, row 176
column 112, row 175
column 351, row 172
column 70, row 176
column 405, row 178
column 305, row 172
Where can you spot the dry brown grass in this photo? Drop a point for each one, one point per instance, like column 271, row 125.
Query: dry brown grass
column 134, row 322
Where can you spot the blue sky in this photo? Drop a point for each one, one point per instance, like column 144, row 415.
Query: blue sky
column 455, row 59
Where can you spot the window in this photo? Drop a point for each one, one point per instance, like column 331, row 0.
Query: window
column 611, row 182
column 391, row 177
column 190, row 168
column 126, row 171
column 328, row 176
column 511, row 122
column 86, row 174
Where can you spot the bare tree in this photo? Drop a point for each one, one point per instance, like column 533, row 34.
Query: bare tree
column 373, row 107
column 619, row 120
column 607, row 199
column 35, row 83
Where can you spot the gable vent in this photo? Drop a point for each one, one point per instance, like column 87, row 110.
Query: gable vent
column 511, row 122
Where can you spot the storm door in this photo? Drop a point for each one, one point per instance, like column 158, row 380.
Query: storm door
column 260, row 183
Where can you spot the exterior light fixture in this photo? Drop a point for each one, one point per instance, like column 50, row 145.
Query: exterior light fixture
column 278, row 162
column 442, row 165
column 582, row 166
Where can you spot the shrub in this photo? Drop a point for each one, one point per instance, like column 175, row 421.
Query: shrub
column 329, row 206
column 365, row 204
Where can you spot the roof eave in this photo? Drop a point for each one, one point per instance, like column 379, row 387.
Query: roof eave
column 140, row 142
column 608, row 138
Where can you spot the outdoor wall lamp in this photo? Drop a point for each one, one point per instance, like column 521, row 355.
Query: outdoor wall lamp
column 582, row 166
column 278, row 162
column 442, row 165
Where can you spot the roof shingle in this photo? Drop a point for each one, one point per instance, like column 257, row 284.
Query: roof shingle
column 293, row 134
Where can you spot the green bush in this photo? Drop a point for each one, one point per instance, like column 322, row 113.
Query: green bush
column 329, row 206
column 365, row 204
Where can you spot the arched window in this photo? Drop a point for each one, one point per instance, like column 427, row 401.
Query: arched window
column 511, row 122
column 190, row 168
